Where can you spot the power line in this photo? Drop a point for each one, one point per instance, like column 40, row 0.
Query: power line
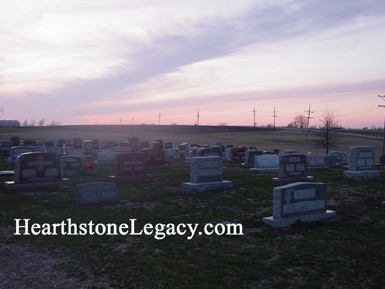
column 159, row 118
column 254, row 111
column 308, row 119
column 383, row 144
column 198, row 118
column 275, row 115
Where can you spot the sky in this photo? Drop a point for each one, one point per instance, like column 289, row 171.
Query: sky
column 162, row 61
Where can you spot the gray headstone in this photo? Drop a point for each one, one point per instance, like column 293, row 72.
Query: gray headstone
column 266, row 163
column 299, row 201
column 96, row 193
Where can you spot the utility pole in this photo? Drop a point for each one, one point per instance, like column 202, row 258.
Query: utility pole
column 383, row 143
column 308, row 119
column 159, row 118
column 254, row 115
column 132, row 119
column 120, row 120
column 275, row 115
column 198, row 118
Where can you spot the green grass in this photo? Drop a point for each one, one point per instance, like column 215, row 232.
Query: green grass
column 344, row 252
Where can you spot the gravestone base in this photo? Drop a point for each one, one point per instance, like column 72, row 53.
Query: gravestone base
column 201, row 187
column 362, row 176
column 74, row 172
column 318, row 169
column 12, row 186
column 277, row 181
column 264, row 171
column 166, row 166
column 121, row 179
column 244, row 165
column 288, row 221
column 7, row 173
column 103, row 163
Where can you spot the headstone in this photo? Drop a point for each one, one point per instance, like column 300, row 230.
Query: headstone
column 130, row 166
column 121, row 149
column 111, row 144
column 206, row 145
column 144, row 144
column 87, row 145
column 276, row 151
column 54, row 141
column 194, row 145
column 206, row 174
column 68, row 145
column 105, row 157
column 361, row 164
column 183, row 149
column 160, row 141
column 316, row 162
column 301, row 201
column 35, row 170
column 170, row 154
column 156, row 145
column 134, row 143
column 206, row 152
column 218, row 144
column 266, row 164
column 29, row 142
column 252, row 148
column 155, row 159
column 168, row 145
column 15, row 141
column 95, row 144
column 77, row 143
column 330, row 160
column 60, row 142
column 48, row 143
column 292, row 168
column 340, row 157
column 72, row 165
column 56, row 150
column 96, row 193
column 192, row 153
column 250, row 158
column 5, row 148
column 238, row 155
column 229, row 147
column 16, row 151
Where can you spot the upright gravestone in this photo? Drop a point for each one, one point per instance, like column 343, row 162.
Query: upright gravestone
column 155, row 159
column 95, row 144
column 5, row 148
column 134, row 143
column 77, row 143
column 340, row 157
column 168, row 145
column 250, row 158
column 130, row 166
column 238, row 155
column 206, row 174
column 160, row 141
column 72, row 165
column 301, row 201
column 292, row 168
column 361, row 164
column 144, row 144
column 207, row 152
column 315, row 162
column 96, row 193
column 36, row 170
column 15, row 141
column 183, row 149
column 16, row 151
column 105, row 157
column 87, row 146
column 266, row 164
column 61, row 142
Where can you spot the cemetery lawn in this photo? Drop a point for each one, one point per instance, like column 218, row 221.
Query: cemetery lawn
column 343, row 252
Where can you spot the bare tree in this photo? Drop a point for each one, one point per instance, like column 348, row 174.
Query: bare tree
column 327, row 136
column 54, row 123
column 32, row 122
column 41, row 122
column 25, row 122
column 300, row 121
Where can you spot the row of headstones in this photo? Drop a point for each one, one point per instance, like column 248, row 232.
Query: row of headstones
column 297, row 201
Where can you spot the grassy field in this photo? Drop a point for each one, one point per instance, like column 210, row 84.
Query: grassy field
column 344, row 252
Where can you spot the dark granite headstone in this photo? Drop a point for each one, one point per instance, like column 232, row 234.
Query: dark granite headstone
column 238, row 155
column 95, row 144
column 168, row 145
column 130, row 164
column 160, row 141
column 5, row 148
column 96, row 193
column 292, row 168
column 16, row 151
column 60, row 142
column 47, row 143
column 250, row 157
column 155, row 158
column 134, row 143
column 36, row 170
column 77, row 143
column 15, row 141
column 29, row 142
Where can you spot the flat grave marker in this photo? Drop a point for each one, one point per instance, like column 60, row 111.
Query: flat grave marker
column 96, row 193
